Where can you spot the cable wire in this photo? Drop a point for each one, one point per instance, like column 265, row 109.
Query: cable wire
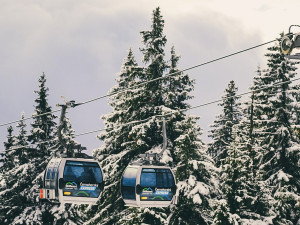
column 178, row 72
column 167, row 114
column 147, row 82
column 27, row 118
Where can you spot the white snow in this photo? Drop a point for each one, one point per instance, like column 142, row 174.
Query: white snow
column 283, row 176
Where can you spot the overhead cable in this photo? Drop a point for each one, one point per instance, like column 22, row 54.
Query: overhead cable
column 147, row 82
column 167, row 114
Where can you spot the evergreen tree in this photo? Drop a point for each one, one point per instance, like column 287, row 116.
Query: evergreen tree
column 243, row 189
column 14, row 180
column 259, row 109
column 21, row 153
column 221, row 133
column 177, row 86
column 34, row 211
column 280, row 162
column 119, row 141
column 154, row 41
column 197, row 175
column 138, row 109
column 8, row 159
column 19, row 186
column 43, row 125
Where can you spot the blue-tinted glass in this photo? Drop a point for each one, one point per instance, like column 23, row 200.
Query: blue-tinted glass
column 171, row 179
column 161, row 179
column 86, row 172
column 49, row 173
column 148, row 179
column 54, row 171
column 82, row 179
column 98, row 174
column 157, row 178
column 129, row 177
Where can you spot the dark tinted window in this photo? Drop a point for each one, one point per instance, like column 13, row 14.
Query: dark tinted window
column 162, row 178
column 82, row 179
column 86, row 172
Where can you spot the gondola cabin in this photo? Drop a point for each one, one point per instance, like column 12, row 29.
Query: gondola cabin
column 148, row 186
column 72, row 180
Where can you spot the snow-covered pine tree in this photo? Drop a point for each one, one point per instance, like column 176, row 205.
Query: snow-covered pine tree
column 123, row 104
column 194, row 168
column 119, row 145
column 167, row 97
column 281, row 161
column 138, row 104
column 21, row 153
column 14, row 180
column 19, row 187
column 259, row 109
column 144, row 103
column 154, row 42
column 197, row 176
column 44, row 212
column 221, row 133
column 255, row 199
column 234, row 173
column 41, row 212
column 242, row 184
column 43, row 125
column 7, row 158
column 177, row 88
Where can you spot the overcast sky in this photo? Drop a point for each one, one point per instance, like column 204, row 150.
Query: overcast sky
column 80, row 46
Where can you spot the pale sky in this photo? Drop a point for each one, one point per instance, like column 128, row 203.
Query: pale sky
column 80, row 46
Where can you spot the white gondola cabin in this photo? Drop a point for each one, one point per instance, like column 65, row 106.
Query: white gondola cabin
column 72, row 180
column 148, row 186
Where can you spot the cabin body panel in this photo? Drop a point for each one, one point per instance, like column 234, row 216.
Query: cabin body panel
column 72, row 180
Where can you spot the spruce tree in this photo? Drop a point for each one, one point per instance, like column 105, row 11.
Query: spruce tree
column 119, row 141
column 35, row 211
column 14, row 181
column 221, row 133
column 140, row 103
column 280, row 162
column 21, row 153
column 242, row 186
column 43, row 125
column 7, row 157
column 198, row 184
column 138, row 109
column 19, row 186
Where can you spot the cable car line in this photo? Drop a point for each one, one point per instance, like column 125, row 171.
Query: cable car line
column 27, row 118
column 147, row 82
column 165, row 115
column 178, row 72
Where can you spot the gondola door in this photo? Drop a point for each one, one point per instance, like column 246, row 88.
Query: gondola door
column 128, row 185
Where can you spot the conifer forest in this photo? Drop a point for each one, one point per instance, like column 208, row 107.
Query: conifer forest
column 248, row 173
